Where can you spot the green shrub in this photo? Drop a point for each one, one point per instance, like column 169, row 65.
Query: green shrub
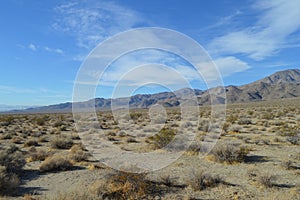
column 163, row 138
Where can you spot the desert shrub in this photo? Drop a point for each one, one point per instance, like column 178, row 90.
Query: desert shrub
column 8, row 181
column 231, row 118
column 289, row 131
column 131, row 140
column 163, row 138
column 293, row 139
column 123, row 185
column 61, row 142
column 235, row 128
column 201, row 180
column 12, row 159
column 203, row 125
column 17, row 140
column 167, row 180
column 7, row 136
column 226, row 126
column 268, row 116
column 288, row 165
column 41, row 120
column 135, row 115
column 71, row 195
column 230, row 153
column 267, row 180
column 55, row 163
column 11, row 164
column 194, row 148
column 78, row 154
column 31, row 142
column 58, row 124
column 244, row 121
column 39, row 155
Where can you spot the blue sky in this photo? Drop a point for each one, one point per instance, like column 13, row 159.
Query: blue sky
column 43, row 43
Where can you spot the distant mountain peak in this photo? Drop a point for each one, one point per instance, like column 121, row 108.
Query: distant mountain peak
column 286, row 76
column 282, row 84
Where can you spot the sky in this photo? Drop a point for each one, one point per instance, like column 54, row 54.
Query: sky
column 44, row 43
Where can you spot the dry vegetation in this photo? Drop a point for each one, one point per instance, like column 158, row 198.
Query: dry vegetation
column 256, row 157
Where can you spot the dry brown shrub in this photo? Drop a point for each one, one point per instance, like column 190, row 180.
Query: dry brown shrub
column 55, row 163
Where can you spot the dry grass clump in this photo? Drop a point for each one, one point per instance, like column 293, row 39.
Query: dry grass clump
column 38, row 155
column 78, row 154
column 230, row 153
column 201, row 180
column 61, row 142
column 56, row 163
column 267, row 180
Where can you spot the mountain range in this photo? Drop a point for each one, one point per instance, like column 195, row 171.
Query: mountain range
column 282, row 84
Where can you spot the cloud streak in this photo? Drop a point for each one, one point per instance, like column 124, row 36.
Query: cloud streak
column 90, row 22
column 58, row 51
column 278, row 20
column 34, row 47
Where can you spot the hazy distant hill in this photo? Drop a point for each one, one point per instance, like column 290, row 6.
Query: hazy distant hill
column 282, row 84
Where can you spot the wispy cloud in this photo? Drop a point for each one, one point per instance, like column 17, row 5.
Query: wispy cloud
column 90, row 22
column 32, row 47
column 40, row 95
column 4, row 89
column 58, row 51
column 230, row 64
column 276, row 23
column 36, row 48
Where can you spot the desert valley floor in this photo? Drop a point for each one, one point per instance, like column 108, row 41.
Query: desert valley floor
column 257, row 156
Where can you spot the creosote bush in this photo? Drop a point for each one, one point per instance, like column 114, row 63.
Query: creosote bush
column 163, row 138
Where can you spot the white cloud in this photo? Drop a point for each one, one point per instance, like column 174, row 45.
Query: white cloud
column 90, row 22
column 32, row 47
column 278, row 20
column 229, row 65
column 58, row 51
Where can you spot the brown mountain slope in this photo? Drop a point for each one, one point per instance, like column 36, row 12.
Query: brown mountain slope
column 282, row 84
